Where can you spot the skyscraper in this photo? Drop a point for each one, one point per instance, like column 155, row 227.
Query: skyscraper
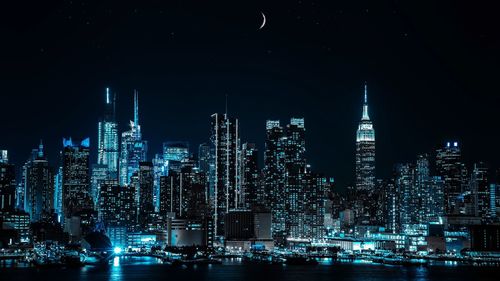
column 39, row 194
column 145, row 191
column 225, row 180
column 365, row 150
column 421, row 199
column 405, row 185
column 133, row 148
column 453, row 172
column 107, row 137
column 252, row 195
column 183, row 194
column 4, row 156
column 435, row 187
column 175, row 154
column 76, row 192
column 7, row 183
column 99, row 174
column 296, row 178
column 58, row 182
column 274, row 181
column 22, row 188
column 315, row 204
column 480, row 190
column 117, row 206
column 287, row 179
column 160, row 169
column 204, row 158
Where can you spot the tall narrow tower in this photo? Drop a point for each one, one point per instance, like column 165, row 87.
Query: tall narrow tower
column 224, row 180
column 365, row 150
column 107, row 137
column 133, row 147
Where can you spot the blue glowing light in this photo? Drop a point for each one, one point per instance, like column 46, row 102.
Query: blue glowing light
column 67, row 142
column 117, row 250
column 85, row 142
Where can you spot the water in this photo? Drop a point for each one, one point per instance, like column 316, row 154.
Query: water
column 146, row 269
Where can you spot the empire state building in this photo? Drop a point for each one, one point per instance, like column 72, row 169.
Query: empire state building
column 365, row 151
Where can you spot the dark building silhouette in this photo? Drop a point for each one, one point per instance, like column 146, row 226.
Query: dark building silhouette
column 76, row 177
column 7, row 183
column 252, row 193
column 39, row 193
column 454, row 174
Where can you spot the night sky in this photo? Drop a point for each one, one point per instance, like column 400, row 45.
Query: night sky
column 432, row 71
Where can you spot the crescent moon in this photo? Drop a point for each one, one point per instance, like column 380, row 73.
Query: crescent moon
column 264, row 21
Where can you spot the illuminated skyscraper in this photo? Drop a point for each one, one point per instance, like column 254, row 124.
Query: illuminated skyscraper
column 204, row 158
column 287, row 179
column 252, row 194
column 145, row 191
column 297, row 177
column 160, row 169
column 107, row 137
column 23, row 186
column 365, row 150
column 273, row 172
column 225, row 180
column 76, row 193
column 7, row 183
column 58, row 192
column 133, row 148
column 480, row 190
column 175, row 154
column 117, row 206
column 454, row 173
column 4, row 156
column 39, row 194
column 421, row 199
column 405, row 186
column 99, row 174
column 183, row 194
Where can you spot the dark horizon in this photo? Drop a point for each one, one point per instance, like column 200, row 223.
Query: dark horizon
column 430, row 70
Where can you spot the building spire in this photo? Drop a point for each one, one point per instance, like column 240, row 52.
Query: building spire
column 365, row 105
column 136, row 108
column 40, row 149
column 226, row 106
column 366, row 95
column 114, row 106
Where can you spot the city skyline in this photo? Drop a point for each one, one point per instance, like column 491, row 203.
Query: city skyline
column 108, row 99
column 298, row 139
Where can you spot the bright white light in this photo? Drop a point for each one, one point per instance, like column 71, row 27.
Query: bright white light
column 117, row 250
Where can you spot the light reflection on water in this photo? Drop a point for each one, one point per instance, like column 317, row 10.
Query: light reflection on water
column 116, row 270
column 149, row 268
